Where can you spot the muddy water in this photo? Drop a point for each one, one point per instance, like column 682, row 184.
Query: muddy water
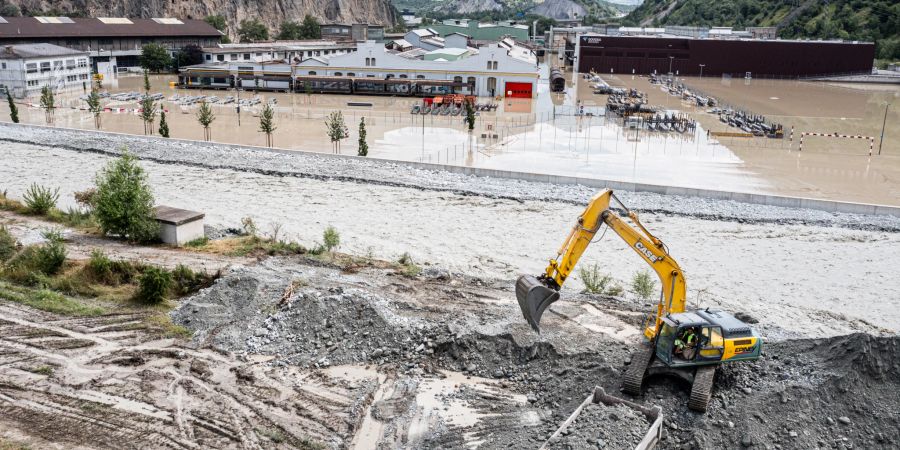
column 539, row 135
column 785, row 275
column 826, row 167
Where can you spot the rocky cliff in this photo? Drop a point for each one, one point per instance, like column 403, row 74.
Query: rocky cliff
column 270, row 12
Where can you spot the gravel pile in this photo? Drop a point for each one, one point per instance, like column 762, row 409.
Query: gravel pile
column 600, row 426
column 324, row 166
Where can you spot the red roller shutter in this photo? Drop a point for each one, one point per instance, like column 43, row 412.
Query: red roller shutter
column 518, row 90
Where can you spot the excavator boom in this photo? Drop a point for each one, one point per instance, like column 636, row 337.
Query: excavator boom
column 536, row 293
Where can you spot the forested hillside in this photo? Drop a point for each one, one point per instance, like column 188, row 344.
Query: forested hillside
column 864, row 20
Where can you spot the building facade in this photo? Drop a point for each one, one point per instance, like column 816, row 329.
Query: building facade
column 112, row 43
column 738, row 57
column 491, row 71
column 25, row 69
column 289, row 51
column 355, row 33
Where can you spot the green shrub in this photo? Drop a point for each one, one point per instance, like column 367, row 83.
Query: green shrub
column 407, row 266
column 595, row 282
column 186, row 281
column 331, row 239
column 8, row 245
column 39, row 199
column 643, row 284
column 50, row 257
column 99, row 267
column 123, row 204
column 154, row 285
column 615, row 290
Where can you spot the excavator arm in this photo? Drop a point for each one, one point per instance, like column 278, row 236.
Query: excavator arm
column 535, row 294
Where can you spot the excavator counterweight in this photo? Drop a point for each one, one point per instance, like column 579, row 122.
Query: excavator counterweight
column 534, row 297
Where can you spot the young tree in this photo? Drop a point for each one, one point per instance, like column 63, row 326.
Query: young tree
column 13, row 110
column 148, row 113
column 163, row 125
column 123, row 204
column 48, row 103
column 337, row 129
column 310, row 28
column 155, row 57
column 267, row 123
column 189, row 55
column 206, row 117
column 470, row 115
column 253, row 30
column 363, row 145
column 93, row 102
column 146, row 82
column 289, row 31
column 218, row 22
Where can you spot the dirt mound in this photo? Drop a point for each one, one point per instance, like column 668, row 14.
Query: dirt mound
column 603, row 427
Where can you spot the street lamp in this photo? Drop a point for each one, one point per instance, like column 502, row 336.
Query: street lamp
column 701, row 70
column 883, row 122
column 671, row 58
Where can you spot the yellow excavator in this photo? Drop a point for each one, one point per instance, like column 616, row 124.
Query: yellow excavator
column 687, row 344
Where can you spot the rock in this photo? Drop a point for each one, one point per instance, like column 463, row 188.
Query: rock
column 531, row 398
column 499, row 373
column 471, row 368
column 829, row 420
column 730, row 424
column 377, row 353
column 747, row 390
column 844, row 420
column 793, row 434
column 746, row 441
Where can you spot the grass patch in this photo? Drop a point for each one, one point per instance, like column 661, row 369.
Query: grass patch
column 46, row 300
column 42, row 370
column 197, row 243
column 163, row 323
column 407, row 267
column 250, row 246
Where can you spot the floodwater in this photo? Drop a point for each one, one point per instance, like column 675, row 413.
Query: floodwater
column 544, row 136
column 834, row 272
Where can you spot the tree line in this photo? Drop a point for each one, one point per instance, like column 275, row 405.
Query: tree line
column 253, row 30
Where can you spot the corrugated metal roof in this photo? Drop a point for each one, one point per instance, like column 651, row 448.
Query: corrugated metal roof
column 32, row 28
column 36, row 51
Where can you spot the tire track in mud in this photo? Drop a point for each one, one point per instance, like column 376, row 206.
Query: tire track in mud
column 117, row 390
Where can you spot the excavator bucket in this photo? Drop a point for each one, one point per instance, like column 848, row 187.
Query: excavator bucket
column 534, row 298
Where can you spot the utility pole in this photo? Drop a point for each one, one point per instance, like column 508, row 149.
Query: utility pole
column 671, row 58
column 701, row 70
column 883, row 122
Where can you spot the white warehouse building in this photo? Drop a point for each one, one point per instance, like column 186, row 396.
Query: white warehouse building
column 26, row 68
column 492, row 70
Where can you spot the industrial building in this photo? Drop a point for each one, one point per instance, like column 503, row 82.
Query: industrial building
column 737, row 57
column 291, row 51
column 482, row 32
column 113, row 43
column 25, row 69
column 354, row 33
column 372, row 69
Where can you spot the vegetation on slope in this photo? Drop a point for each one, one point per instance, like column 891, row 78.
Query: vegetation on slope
column 864, row 20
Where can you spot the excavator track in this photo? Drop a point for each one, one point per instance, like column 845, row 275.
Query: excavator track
column 634, row 375
column 702, row 388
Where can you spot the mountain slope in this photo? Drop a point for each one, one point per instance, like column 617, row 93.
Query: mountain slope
column 865, row 20
column 270, row 12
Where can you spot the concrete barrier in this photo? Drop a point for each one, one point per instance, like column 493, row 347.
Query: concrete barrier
column 833, row 206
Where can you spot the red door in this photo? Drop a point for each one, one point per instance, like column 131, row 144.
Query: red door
column 518, row 90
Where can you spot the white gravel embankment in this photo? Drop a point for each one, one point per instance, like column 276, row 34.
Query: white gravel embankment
column 806, row 280
column 371, row 171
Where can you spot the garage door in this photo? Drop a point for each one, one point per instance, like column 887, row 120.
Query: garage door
column 518, row 90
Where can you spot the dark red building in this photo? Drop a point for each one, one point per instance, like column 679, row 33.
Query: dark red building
column 784, row 58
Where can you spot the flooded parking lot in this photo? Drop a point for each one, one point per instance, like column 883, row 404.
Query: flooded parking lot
column 545, row 135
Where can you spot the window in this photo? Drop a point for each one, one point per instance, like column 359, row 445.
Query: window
column 232, row 57
column 72, row 78
column 312, row 72
column 495, row 65
column 31, row 68
column 259, row 54
column 70, row 64
column 389, row 76
column 402, row 75
column 3, row 66
column 83, row 76
column 420, row 77
column 57, row 65
column 82, row 62
column 208, row 57
column 351, row 74
column 457, row 79
column 373, row 61
column 367, row 62
column 45, row 67
column 488, row 65
column 220, row 57
column 32, row 82
column 338, row 74
column 246, row 57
